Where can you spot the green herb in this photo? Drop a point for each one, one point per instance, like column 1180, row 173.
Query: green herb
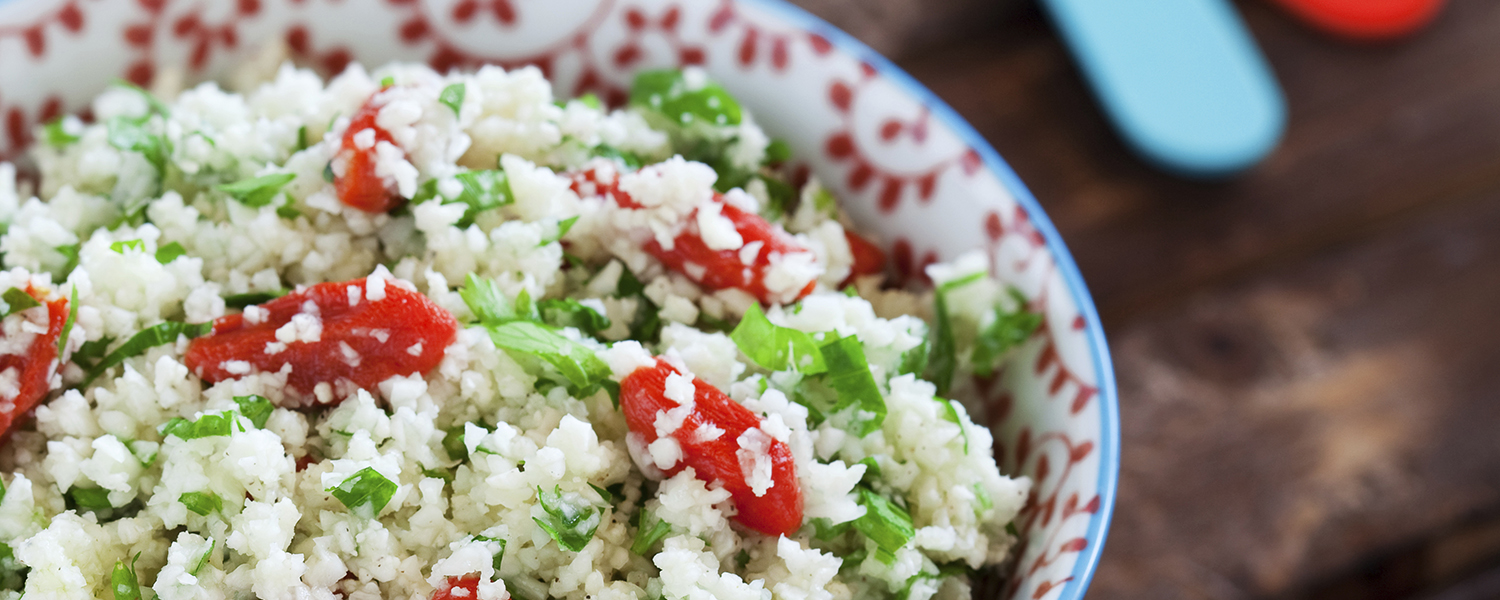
column 631, row 160
column 70, row 259
column 607, row 496
column 1009, row 330
column 17, row 301
column 365, row 493
column 648, row 536
column 567, row 312
column 387, row 81
column 453, row 97
column 123, row 581
column 571, row 525
column 486, row 301
column 985, row 502
column 286, row 211
column 130, row 135
column 202, row 503
column 257, row 191
column 56, row 135
column 204, row 558
column 709, row 322
column 252, row 298
column 256, row 408
column 145, row 451
column 774, row 347
column 499, row 554
column 151, row 337
column 849, row 375
column 872, row 469
column 666, row 92
column 591, row 100
column 90, row 498
column 563, row 227
column 950, row 414
column 62, row 339
column 577, row 363
column 444, row 474
column 453, row 443
column 914, row 360
column 121, row 246
column 888, row 525
column 826, row 531
column 209, row 425
column 778, row 152
column 482, row 190
column 153, row 104
column 170, row 252
column 89, row 352
column 301, row 138
column 781, row 199
column 328, row 172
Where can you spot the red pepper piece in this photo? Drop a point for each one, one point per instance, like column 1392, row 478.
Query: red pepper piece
column 360, row 187
column 720, row 269
column 36, row 366
column 1365, row 20
column 779, row 511
column 401, row 334
column 458, row 588
column 869, row 259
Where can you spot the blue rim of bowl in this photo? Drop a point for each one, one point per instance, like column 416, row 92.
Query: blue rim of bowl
column 1109, row 417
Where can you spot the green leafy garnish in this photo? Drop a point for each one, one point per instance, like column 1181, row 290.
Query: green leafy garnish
column 387, row 81
column 365, row 493
column 257, row 191
column 781, row 199
column 204, row 558
column 666, row 92
column 70, row 259
column 499, row 554
column 646, row 535
column 123, row 581
column 774, row 347
column 914, row 360
column 778, row 152
column 888, row 525
column 453, row 444
column 563, row 227
column 153, row 104
column 584, row 371
column 16, row 301
column 202, row 503
column 591, row 100
column 90, row 352
column 209, row 425
column 567, row 312
column 256, row 408
column 950, row 414
column 56, row 136
column 328, row 172
column 453, row 97
column 482, row 190
column 631, row 160
column 90, row 498
column 252, row 298
column 942, row 360
column 121, row 246
column 646, row 324
column 170, row 252
column 301, row 139
column 1009, row 330
column 872, row 469
column 486, row 301
column 849, row 375
column 62, row 339
column 572, row 525
column 151, row 337
column 130, row 135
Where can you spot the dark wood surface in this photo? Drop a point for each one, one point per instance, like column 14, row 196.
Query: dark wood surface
column 1308, row 354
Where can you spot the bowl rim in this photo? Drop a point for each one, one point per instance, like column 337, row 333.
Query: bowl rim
column 1109, row 409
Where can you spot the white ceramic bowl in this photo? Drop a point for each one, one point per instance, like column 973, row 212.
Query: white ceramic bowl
column 906, row 166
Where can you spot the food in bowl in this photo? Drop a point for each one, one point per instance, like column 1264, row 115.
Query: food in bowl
column 412, row 335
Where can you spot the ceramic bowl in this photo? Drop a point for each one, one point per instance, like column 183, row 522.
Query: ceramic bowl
column 907, row 168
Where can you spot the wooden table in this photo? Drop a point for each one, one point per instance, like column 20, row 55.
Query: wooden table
column 1308, row 354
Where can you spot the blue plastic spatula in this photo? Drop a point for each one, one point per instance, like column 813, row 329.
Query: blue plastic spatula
column 1182, row 80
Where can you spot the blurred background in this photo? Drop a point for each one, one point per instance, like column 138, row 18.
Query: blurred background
column 1309, row 352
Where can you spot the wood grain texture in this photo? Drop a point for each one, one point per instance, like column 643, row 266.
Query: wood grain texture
column 1308, row 354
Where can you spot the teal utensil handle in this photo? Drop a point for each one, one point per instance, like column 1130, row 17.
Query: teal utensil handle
column 1182, row 80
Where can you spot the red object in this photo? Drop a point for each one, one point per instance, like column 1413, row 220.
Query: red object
column 1365, row 20
column 36, row 366
column 363, row 344
column 467, row 586
column 360, row 187
column 868, row 258
column 779, row 511
column 722, row 269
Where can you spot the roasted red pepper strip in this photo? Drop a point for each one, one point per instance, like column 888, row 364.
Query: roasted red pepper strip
column 779, row 511
column 459, row 588
column 36, row 366
column 362, row 341
column 868, row 258
column 720, row 269
column 359, row 187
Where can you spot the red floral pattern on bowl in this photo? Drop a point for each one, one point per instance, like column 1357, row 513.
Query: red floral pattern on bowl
column 906, row 166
